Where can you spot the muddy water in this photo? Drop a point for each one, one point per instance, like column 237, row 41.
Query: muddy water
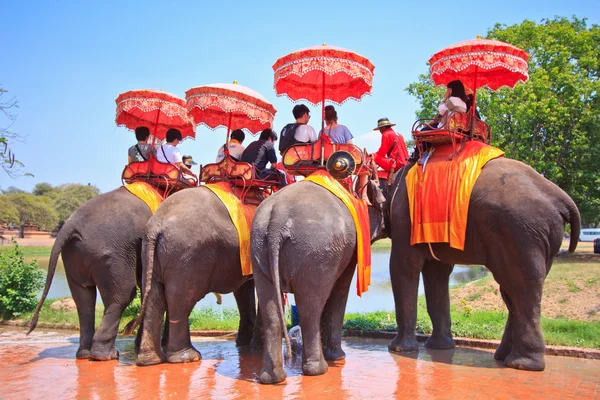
column 42, row 367
column 379, row 296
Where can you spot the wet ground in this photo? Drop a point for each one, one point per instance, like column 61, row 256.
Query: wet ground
column 42, row 366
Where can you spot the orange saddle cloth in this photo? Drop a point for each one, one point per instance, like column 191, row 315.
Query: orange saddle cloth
column 147, row 193
column 360, row 215
column 241, row 215
column 439, row 196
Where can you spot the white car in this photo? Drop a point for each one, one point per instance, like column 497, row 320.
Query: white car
column 589, row 234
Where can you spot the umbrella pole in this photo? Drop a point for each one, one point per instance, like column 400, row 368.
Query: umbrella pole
column 156, row 126
column 228, row 128
column 323, row 123
column 474, row 104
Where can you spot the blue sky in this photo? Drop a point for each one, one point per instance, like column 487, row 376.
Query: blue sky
column 66, row 62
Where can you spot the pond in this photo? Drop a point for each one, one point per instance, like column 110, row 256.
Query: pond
column 379, row 296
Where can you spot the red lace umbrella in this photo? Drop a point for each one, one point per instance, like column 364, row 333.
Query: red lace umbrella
column 230, row 105
column 158, row 110
column 321, row 73
column 480, row 62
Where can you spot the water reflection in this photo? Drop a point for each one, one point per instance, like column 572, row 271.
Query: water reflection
column 379, row 296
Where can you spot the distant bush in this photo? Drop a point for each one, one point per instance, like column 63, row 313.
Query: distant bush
column 20, row 283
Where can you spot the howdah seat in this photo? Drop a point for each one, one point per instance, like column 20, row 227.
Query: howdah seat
column 456, row 128
column 166, row 177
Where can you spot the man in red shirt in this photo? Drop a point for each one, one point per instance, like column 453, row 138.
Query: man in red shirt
column 392, row 153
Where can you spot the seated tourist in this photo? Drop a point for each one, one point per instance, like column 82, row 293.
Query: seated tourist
column 262, row 152
column 234, row 146
column 455, row 99
column 336, row 132
column 169, row 153
column 141, row 151
column 299, row 131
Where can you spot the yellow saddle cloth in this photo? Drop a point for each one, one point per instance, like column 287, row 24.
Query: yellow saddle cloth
column 360, row 215
column 241, row 215
column 147, row 193
column 439, row 197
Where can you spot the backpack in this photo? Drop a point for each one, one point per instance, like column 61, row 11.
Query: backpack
column 287, row 136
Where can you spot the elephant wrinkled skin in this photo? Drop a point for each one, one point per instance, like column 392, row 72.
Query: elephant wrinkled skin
column 190, row 248
column 100, row 245
column 303, row 241
column 515, row 228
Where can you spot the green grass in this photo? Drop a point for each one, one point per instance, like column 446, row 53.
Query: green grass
column 222, row 319
column 30, row 251
column 483, row 325
column 50, row 316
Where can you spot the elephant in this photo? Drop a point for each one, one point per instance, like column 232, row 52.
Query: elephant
column 190, row 248
column 100, row 245
column 304, row 241
column 515, row 228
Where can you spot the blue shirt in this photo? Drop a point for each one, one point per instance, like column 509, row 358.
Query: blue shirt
column 338, row 134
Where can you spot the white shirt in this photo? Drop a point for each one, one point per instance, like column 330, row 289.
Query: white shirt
column 172, row 153
column 456, row 102
column 235, row 151
column 305, row 134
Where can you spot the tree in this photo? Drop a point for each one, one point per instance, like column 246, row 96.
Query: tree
column 43, row 189
column 38, row 210
column 9, row 163
column 8, row 211
column 72, row 197
column 553, row 121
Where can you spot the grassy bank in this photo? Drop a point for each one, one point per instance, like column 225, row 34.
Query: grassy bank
column 29, row 251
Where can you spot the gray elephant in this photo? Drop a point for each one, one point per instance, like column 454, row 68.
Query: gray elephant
column 515, row 228
column 190, row 248
column 304, row 242
column 100, row 245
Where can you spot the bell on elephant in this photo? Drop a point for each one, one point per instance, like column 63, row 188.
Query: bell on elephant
column 341, row 164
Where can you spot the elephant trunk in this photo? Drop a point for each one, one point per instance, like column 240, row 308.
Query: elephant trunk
column 274, row 245
column 150, row 247
column 66, row 233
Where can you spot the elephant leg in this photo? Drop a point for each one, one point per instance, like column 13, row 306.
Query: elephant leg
column 404, row 275
column 246, row 302
column 150, row 351
column 272, row 370
column 85, row 300
column 310, row 309
column 436, row 278
column 507, row 338
column 258, row 334
column 179, row 347
column 332, row 319
column 103, row 347
column 527, row 339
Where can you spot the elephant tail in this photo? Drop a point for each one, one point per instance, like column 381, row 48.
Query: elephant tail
column 274, row 245
column 151, row 235
column 67, row 232
column 575, row 222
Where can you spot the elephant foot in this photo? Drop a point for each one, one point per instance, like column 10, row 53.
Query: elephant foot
column 313, row 368
column 533, row 362
column 334, row 354
column 82, row 354
column 184, row 356
column 502, row 351
column 403, row 345
column 440, row 342
column 96, row 355
column 244, row 338
column 146, row 358
column 269, row 377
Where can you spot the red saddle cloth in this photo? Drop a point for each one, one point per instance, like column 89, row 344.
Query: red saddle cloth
column 439, row 192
